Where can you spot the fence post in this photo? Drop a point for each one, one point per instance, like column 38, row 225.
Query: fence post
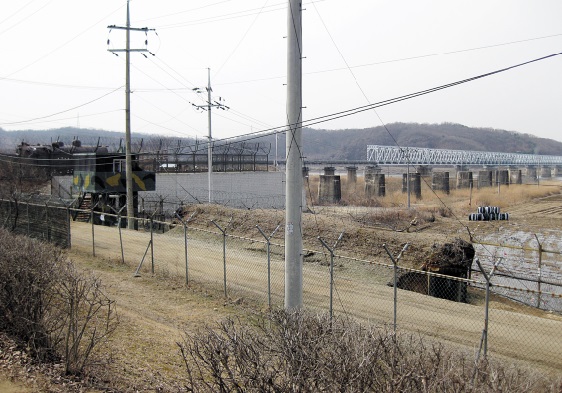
column 395, row 264
column 331, row 270
column 120, row 234
column 68, row 238
column 137, row 274
column 488, row 278
column 539, row 279
column 47, row 222
column 152, row 243
column 93, row 236
column 92, row 220
column 184, row 223
column 223, row 231
column 268, row 239
column 28, row 226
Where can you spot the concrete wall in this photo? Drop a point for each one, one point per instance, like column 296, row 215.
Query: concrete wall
column 236, row 189
column 239, row 189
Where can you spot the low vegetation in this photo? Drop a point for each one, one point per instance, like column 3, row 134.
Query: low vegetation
column 300, row 352
column 57, row 312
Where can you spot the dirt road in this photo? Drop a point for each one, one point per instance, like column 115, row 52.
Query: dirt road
column 516, row 333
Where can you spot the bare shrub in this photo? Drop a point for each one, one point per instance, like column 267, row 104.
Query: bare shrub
column 28, row 271
column 87, row 318
column 20, row 177
column 299, row 352
column 57, row 311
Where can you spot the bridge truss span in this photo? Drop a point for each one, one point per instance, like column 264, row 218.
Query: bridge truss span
column 393, row 155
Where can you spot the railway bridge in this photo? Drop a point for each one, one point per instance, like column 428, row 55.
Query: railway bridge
column 393, row 155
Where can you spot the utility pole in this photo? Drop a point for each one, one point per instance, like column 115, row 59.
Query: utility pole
column 128, row 151
column 210, row 104
column 294, row 178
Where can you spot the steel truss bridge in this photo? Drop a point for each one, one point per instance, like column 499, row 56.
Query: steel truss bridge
column 392, row 155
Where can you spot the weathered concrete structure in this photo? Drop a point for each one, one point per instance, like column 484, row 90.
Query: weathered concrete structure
column 485, row 178
column 464, row 179
column 415, row 184
column 546, row 172
column 375, row 186
column 502, row 177
column 531, row 174
column 329, row 189
column 424, row 170
column 515, row 176
column 440, row 182
column 351, row 174
column 329, row 171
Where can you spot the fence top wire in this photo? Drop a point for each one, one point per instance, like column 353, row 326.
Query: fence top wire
column 518, row 247
column 40, row 200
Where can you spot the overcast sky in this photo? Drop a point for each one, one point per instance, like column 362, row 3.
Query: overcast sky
column 56, row 71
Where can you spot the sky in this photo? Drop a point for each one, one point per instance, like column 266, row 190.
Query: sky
column 57, row 68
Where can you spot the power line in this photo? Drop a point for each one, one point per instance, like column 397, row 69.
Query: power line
column 64, row 111
column 62, row 45
column 352, row 111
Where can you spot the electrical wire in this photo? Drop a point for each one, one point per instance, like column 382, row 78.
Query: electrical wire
column 359, row 109
column 24, row 19
column 64, row 111
column 62, row 45
column 241, row 40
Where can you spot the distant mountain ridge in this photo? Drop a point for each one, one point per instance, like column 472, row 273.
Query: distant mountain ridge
column 352, row 144
column 348, row 144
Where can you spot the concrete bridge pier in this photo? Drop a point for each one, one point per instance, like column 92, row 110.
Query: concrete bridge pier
column 329, row 189
column 464, row 179
column 424, row 170
column 415, row 184
column 351, row 174
column 485, row 178
column 546, row 172
column 502, row 177
column 531, row 174
column 515, row 176
column 558, row 171
column 375, row 182
column 440, row 182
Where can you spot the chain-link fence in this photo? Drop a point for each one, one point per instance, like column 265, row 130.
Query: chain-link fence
column 37, row 216
column 484, row 313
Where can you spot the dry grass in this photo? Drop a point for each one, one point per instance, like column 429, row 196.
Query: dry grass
column 458, row 201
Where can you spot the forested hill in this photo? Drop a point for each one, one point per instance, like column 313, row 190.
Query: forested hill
column 350, row 144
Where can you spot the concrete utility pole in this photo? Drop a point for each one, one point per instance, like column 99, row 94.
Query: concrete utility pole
column 208, row 106
column 210, row 146
column 294, row 176
column 128, row 151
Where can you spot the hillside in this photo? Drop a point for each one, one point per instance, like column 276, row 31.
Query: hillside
column 352, row 144
column 349, row 144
